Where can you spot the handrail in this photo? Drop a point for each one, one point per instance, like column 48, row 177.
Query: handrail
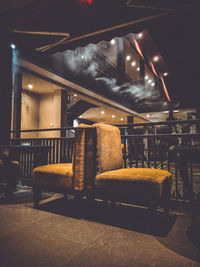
column 158, row 123
column 118, row 125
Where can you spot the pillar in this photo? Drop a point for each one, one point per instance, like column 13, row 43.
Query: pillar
column 17, row 104
column 5, row 89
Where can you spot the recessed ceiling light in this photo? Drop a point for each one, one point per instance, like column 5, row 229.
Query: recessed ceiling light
column 102, row 112
column 165, row 74
column 140, row 35
column 112, row 41
column 153, row 84
column 148, row 115
column 122, row 119
column 155, row 59
column 146, row 77
column 133, row 63
column 138, row 69
column 30, row 86
column 149, row 81
column 75, row 95
column 128, row 58
column 113, row 116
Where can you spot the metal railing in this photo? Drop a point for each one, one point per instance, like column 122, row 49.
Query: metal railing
column 149, row 148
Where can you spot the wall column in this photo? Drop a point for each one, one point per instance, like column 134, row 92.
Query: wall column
column 17, row 104
column 5, row 89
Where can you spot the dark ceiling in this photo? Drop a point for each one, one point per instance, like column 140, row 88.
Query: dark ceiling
column 173, row 25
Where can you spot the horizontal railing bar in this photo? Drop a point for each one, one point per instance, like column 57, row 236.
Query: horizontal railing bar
column 42, row 138
column 162, row 135
column 158, row 123
column 119, row 125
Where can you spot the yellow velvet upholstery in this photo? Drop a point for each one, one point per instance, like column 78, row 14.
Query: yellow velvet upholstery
column 108, row 148
column 141, row 184
column 54, row 175
column 138, row 184
column 79, row 156
column 66, row 175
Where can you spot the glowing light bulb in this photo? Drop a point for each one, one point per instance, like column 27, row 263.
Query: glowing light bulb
column 165, row 74
column 128, row 58
column 155, row 59
column 30, row 86
column 140, row 35
column 148, row 115
column 75, row 95
column 122, row 119
column 153, row 84
column 146, row 77
column 113, row 116
column 149, row 81
column 13, row 46
column 112, row 41
column 102, row 112
column 138, row 69
column 133, row 63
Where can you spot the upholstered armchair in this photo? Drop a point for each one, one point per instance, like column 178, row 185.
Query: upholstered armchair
column 64, row 178
column 111, row 181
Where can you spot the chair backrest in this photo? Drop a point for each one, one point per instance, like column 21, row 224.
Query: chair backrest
column 108, row 148
column 79, row 156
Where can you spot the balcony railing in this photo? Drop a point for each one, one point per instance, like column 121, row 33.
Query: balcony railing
column 143, row 145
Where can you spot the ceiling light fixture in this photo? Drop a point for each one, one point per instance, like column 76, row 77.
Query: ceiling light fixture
column 113, row 116
column 128, row 58
column 102, row 112
column 156, row 58
column 75, row 95
column 30, row 86
column 140, row 35
column 13, row 46
column 112, row 41
column 165, row 74
column 133, row 63
column 146, row 77
column 148, row 115
column 138, row 69
column 122, row 119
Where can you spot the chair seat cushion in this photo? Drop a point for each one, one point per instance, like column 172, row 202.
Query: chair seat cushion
column 54, row 175
column 139, row 184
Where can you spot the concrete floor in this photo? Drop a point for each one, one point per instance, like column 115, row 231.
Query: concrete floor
column 63, row 233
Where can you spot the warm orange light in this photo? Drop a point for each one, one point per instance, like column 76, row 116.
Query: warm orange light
column 165, row 89
column 138, row 48
column 153, row 69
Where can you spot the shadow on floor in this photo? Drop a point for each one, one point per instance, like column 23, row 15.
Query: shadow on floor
column 193, row 233
column 21, row 196
column 126, row 217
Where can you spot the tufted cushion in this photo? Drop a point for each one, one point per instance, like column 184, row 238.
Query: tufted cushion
column 54, row 175
column 108, row 148
column 140, row 184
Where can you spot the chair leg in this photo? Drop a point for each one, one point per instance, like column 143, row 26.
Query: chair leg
column 37, row 195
